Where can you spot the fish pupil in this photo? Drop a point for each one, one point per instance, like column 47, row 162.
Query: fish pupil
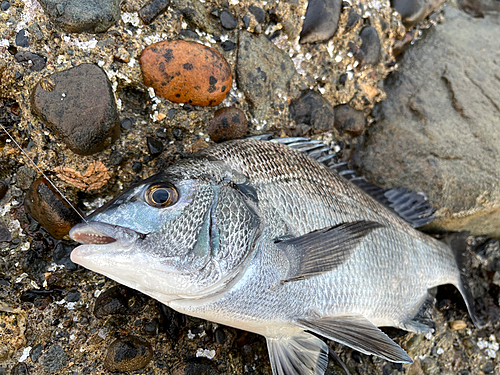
column 160, row 196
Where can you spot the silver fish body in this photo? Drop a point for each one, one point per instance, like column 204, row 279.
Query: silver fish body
column 260, row 237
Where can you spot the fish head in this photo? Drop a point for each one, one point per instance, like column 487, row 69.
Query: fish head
column 183, row 233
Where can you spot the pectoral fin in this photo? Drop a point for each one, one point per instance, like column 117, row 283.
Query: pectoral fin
column 357, row 332
column 301, row 354
column 323, row 250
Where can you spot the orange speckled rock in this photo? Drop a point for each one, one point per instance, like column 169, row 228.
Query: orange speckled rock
column 186, row 72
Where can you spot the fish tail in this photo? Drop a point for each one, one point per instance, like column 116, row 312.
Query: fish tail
column 457, row 243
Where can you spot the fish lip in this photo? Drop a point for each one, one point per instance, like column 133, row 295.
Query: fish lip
column 98, row 233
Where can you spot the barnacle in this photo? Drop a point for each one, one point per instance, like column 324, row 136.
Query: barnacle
column 95, row 176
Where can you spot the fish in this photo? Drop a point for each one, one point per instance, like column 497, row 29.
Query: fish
column 265, row 237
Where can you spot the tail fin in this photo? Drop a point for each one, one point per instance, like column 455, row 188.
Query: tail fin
column 457, row 243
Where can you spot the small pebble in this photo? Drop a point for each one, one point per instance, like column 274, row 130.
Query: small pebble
column 195, row 366
column 258, row 13
column 228, row 45
column 137, row 166
column 5, row 5
column 129, row 353
column 5, row 235
column 411, row 11
column 19, row 369
column 153, row 9
column 118, row 300
column 54, row 359
column 79, row 106
column 321, row 20
column 227, row 20
column 33, row 61
column 457, row 325
column 73, row 296
column 228, row 123
column 370, row 46
column 76, row 16
column 47, row 207
column 155, row 146
column 151, row 328
column 349, row 120
column 220, row 336
column 170, row 322
column 62, row 255
column 127, row 123
column 3, row 189
column 22, row 39
column 36, row 352
column 115, row 158
column 312, row 109
column 352, row 19
column 186, row 72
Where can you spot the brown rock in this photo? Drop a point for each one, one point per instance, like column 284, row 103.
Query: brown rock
column 349, row 120
column 186, row 72
column 228, row 123
column 47, row 207
column 129, row 353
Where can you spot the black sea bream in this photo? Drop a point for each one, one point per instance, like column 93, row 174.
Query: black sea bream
column 257, row 235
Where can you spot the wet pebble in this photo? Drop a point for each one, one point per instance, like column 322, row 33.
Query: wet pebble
column 228, row 20
column 137, row 166
column 370, row 45
column 73, row 296
column 127, row 123
column 228, row 45
column 153, row 9
column 129, row 353
column 155, row 146
column 76, row 16
column 321, row 20
column 220, row 336
column 312, row 109
column 79, row 106
column 3, row 189
column 228, row 123
column 119, row 300
column 47, row 207
column 195, row 366
column 54, row 359
column 22, row 39
column 5, row 5
column 186, row 72
column 33, row 61
column 411, row 11
column 349, row 120
column 258, row 13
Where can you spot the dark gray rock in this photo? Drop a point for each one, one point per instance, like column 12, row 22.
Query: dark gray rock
column 262, row 71
column 155, row 146
column 321, row 21
column 411, row 11
column 312, row 109
column 370, row 45
column 54, row 359
column 196, row 15
column 258, row 13
column 439, row 130
column 75, row 16
column 22, row 39
column 5, row 235
column 227, row 20
column 153, row 9
column 31, row 60
column 349, row 120
column 78, row 105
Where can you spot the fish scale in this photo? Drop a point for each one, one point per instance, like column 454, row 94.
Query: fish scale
column 278, row 244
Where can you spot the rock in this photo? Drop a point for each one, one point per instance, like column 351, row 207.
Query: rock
column 321, row 21
column 79, row 106
column 153, row 9
column 151, row 328
column 170, row 322
column 47, row 207
column 75, row 16
column 443, row 138
column 258, row 13
column 349, row 120
column 129, row 353
column 19, row 369
column 137, row 166
column 73, row 296
column 127, row 123
column 313, row 110
column 22, row 39
column 118, row 300
column 4, row 5
column 228, row 123
column 263, row 70
column 196, row 15
column 155, row 146
column 352, row 19
column 186, row 72
column 54, row 359
column 115, row 158
column 31, row 60
column 4, row 187
column 195, row 366
column 414, row 11
column 5, row 235
column 61, row 255
column 228, row 20
column 25, row 177
column 370, row 45
column 228, row 45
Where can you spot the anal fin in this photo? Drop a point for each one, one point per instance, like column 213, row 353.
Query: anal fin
column 357, row 332
column 301, row 354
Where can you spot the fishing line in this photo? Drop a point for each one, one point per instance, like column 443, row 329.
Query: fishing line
column 43, row 174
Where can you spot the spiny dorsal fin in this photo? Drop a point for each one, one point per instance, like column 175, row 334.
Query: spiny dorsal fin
column 301, row 354
column 357, row 332
column 323, row 250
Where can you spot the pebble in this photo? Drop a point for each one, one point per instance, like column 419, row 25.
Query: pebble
column 129, row 353
column 411, row 11
column 349, row 120
column 262, row 71
column 228, row 20
column 61, row 255
column 127, row 123
column 118, row 300
column 115, row 158
column 4, row 187
column 151, row 10
column 19, row 369
column 370, row 45
column 258, row 13
column 36, row 352
column 5, row 5
column 155, row 146
column 312, row 109
column 321, row 20
column 195, row 366
column 22, row 39
column 73, row 296
column 186, row 72
column 228, row 45
column 33, row 61
column 228, row 123
column 76, row 16
column 137, row 166
column 5, row 235
column 196, row 15
column 170, row 322
column 47, row 207
column 352, row 18
column 54, row 359
column 457, row 325
column 79, row 106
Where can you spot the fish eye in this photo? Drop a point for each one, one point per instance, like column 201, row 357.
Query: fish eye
column 161, row 195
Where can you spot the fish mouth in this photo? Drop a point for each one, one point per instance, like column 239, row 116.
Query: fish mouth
column 97, row 233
